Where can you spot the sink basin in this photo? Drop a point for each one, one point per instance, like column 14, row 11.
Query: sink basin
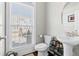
column 70, row 40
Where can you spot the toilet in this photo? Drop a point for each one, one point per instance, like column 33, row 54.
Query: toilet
column 42, row 47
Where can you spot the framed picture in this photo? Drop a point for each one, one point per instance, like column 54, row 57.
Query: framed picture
column 71, row 18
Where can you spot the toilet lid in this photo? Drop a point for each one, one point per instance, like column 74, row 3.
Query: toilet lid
column 41, row 46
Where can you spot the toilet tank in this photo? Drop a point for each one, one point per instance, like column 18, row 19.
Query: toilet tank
column 47, row 39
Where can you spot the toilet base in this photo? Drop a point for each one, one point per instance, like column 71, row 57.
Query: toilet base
column 42, row 53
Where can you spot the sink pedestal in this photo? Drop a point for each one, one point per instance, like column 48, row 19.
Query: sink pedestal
column 68, row 44
column 68, row 49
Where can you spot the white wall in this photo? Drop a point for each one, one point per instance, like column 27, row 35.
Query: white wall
column 54, row 26
column 40, row 20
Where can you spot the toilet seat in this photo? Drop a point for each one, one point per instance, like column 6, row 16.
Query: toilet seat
column 41, row 47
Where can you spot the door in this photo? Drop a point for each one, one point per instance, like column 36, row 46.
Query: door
column 2, row 28
column 20, row 28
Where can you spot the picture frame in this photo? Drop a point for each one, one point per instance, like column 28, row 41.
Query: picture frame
column 71, row 18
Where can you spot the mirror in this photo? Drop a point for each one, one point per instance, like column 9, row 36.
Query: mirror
column 70, row 16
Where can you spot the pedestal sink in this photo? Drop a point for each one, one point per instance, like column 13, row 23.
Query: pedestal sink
column 68, row 44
